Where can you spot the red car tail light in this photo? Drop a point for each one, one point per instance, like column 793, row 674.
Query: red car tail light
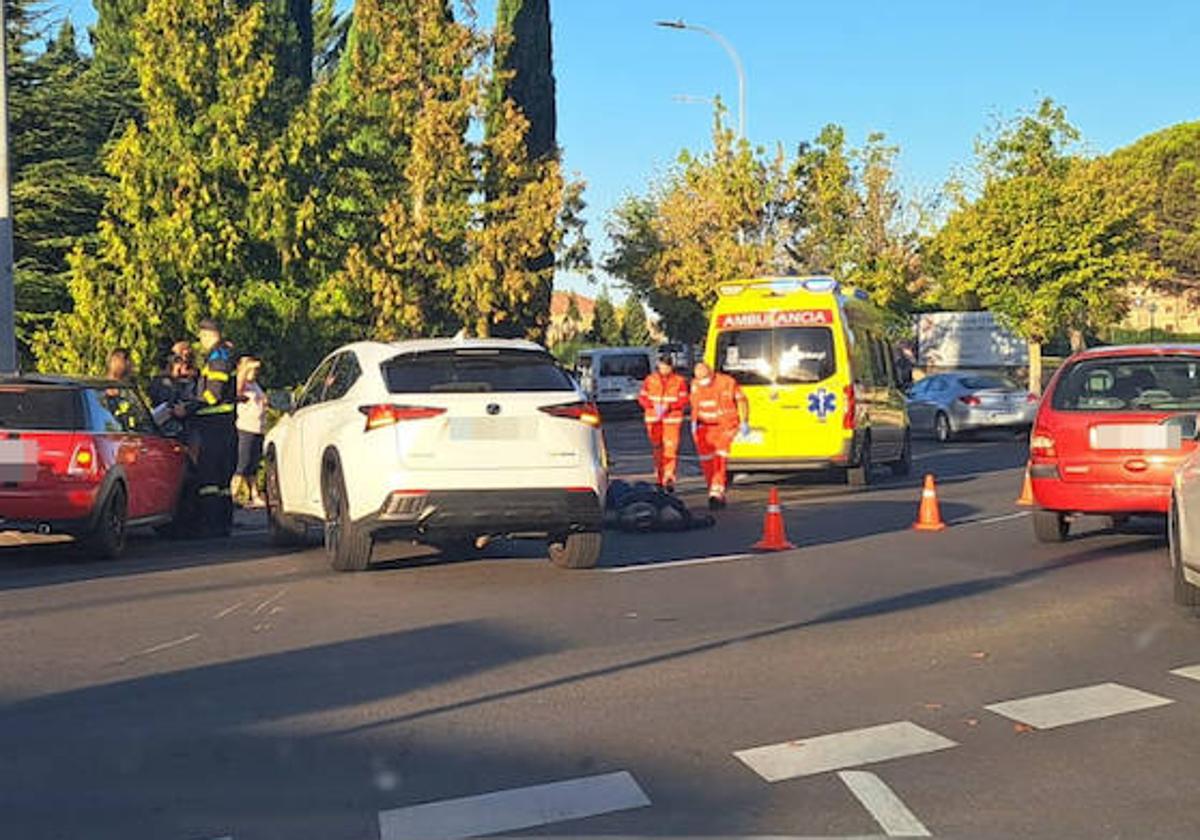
column 387, row 414
column 971, row 400
column 1032, row 398
column 1040, row 443
column 585, row 412
column 849, row 419
column 83, row 463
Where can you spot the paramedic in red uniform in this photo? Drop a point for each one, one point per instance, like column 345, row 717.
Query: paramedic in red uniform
column 719, row 413
column 663, row 397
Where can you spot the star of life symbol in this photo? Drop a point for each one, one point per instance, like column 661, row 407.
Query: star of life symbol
column 822, row 403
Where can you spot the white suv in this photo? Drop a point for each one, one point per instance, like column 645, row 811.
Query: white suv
column 442, row 440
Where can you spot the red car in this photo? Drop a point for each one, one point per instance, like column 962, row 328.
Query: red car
column 1112, row 427
column 85, row 458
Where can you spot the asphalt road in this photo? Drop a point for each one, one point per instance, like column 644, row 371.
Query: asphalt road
column 222, row 689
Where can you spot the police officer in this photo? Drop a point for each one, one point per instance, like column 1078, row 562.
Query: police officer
column 211, row 419
column 119, row 369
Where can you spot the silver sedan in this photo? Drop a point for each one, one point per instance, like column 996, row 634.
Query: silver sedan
column 950, row 404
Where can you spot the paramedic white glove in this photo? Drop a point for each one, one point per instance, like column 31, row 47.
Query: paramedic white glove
column 660, row 411
column 744, row 431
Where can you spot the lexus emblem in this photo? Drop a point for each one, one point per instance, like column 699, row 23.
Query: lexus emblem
column 493, row 408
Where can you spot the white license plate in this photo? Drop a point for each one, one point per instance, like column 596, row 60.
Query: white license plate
column 1136, row 436
column 488, row 428
column 1002, row 417
column 18, row 460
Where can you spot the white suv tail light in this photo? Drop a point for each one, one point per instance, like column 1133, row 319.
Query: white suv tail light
column 585, row 412
column 388, row 414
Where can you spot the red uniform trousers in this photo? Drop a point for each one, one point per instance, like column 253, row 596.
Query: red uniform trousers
column 712, row 445
column 664, row 444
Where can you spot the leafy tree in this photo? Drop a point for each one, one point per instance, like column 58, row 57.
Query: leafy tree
column 1050, row 242
column 192, row 226
column 1161, row 173
column 635, row 330
column 606, row 327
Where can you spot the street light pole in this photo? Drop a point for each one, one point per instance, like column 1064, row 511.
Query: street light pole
column 8, row 342
column 737, row 63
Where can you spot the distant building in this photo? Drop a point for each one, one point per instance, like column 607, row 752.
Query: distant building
column 1166, row 311
column 566, row 324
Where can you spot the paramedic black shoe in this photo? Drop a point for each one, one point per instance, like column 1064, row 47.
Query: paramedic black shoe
column 714, row 502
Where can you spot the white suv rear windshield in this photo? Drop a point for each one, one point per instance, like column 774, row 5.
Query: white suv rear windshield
column 474, row 371
column 1130, row 383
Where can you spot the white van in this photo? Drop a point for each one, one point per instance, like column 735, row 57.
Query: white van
column 613, row 375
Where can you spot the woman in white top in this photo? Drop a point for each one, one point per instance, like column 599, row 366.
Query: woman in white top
column 251, row 426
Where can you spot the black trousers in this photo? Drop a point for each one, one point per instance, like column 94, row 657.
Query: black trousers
column 216, row 440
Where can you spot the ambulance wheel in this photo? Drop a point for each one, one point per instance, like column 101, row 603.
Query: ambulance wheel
column 580, row 550
column 860, row 474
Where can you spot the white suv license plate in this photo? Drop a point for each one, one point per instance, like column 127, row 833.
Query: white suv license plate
column 488, row 428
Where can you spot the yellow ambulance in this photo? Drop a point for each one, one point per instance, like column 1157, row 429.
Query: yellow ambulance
column 816, row 366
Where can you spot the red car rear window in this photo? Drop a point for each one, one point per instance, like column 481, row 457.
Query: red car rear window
column 39, row 408
column 1130, row 383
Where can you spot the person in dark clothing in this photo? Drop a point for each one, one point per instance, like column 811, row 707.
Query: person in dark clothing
column 211, row 416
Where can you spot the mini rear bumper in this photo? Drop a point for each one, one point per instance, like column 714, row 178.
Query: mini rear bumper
column 540, row 511
column 66, row 510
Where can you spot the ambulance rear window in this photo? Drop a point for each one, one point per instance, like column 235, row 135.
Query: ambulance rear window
column 787, row 356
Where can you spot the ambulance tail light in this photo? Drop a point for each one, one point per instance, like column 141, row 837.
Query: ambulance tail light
column 388, row 414
column 849, row 419
column 585, row 412
column 1041, row 443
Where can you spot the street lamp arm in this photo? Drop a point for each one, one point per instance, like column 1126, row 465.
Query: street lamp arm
column 730, row 51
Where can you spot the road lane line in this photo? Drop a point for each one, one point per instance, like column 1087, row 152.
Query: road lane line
column 883, row 804
column 231, row 608
column 1077, row 705
column 270, row 601
column 1191, row 672
column 511, row 810
column 672, row 564
column 190, row 637
column 841, row 750
column 988, row 520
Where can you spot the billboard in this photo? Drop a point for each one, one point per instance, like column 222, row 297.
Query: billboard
column 966, row 340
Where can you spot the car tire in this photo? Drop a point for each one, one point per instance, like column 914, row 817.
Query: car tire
column 1050, row 526
column 285, row 531
column 578, row 550
column 107, row 539
column 903, row 466
column 1184, row 594
column 860, row 474
column 943, row 432
column 347, row 546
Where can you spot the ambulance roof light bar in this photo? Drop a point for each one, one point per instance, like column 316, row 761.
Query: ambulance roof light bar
column 781, row 285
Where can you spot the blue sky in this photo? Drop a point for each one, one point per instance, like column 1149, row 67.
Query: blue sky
column 928, row 73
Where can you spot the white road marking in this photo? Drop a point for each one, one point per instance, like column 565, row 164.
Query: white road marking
column 1191, row 672
column 510, row 810
column 1076, row 705
column 270, row 601
column 190, row 637
column 672, row 564
column 883, row 804
column 988, row 520
column 231, row 608
column 841, row 750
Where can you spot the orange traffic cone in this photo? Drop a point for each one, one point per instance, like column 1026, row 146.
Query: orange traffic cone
column 1026, row 497
column 774, row 538
column 929, row 517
